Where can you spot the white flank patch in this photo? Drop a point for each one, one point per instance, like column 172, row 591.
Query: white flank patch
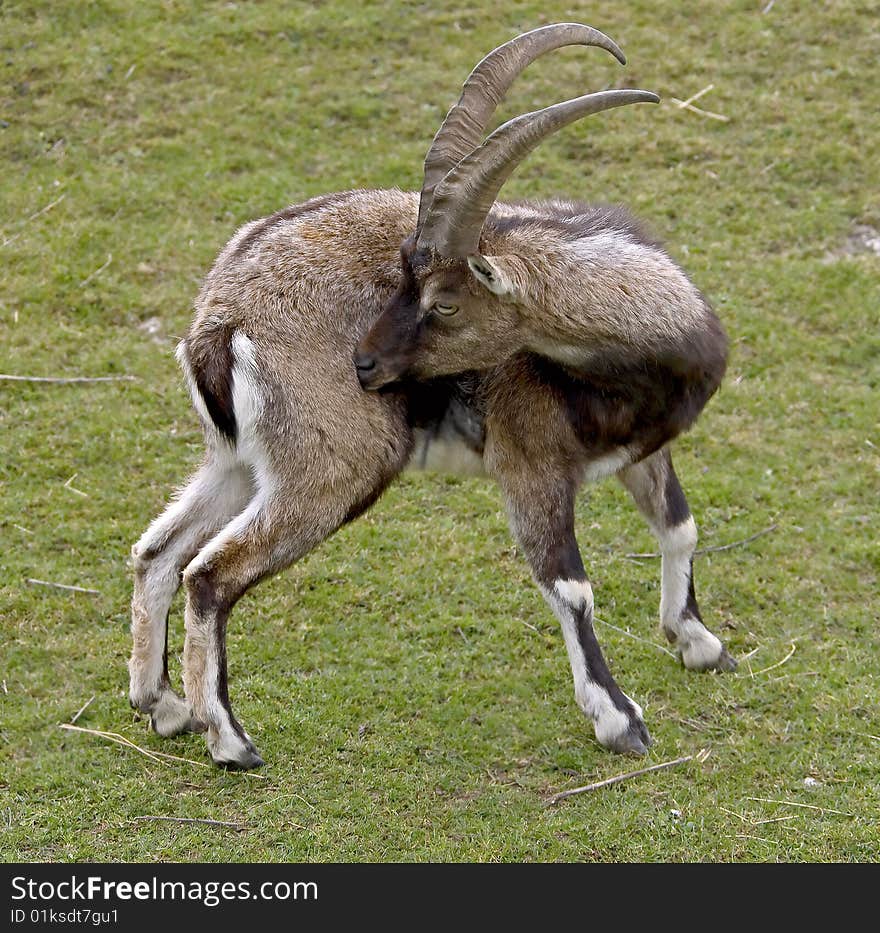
column 247, row 402
column 247, row 399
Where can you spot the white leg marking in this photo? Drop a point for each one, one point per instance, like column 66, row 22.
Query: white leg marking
column 698, row 646
column 200, row 651
column 224, row 743
column 576, row 593
column 171, row 715
column 700, row 649
column 567, row 599
column 202, row 654
column 677, row 546
column 155, row 586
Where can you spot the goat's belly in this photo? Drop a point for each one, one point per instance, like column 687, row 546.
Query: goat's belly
column 444, row 453
column 448, row 426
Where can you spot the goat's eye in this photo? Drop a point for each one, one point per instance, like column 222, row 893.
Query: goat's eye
column 445, row 310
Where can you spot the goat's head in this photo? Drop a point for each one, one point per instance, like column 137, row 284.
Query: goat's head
column 455, row 308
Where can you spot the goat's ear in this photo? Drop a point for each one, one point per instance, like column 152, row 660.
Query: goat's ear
column 489, row 271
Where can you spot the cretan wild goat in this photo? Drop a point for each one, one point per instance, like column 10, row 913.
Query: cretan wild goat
column 341, row 339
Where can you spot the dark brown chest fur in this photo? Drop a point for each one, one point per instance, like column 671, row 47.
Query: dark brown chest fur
column 640, row 406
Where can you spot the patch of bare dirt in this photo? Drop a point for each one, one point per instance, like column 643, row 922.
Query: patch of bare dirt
column 864, row 239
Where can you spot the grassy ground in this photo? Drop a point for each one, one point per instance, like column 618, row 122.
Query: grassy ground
column 406, row 683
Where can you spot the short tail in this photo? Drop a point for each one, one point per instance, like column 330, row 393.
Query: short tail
column 206, row 359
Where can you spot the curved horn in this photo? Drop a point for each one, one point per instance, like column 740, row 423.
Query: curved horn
column 468, row 191
column 465, row 124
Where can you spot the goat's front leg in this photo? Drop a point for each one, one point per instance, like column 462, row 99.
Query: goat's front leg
column 541, row 509
column 659, row 496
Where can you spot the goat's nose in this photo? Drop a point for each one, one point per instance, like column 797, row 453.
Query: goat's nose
column 363, row 362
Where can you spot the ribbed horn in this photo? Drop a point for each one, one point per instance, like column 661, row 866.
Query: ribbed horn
column 465, row 124
column 466, row 194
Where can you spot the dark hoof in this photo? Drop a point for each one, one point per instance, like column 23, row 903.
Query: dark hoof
column 695, row 656
column 635, row 741
column 238, row 754
column 248, row 761
column 143, row 705
column 726, row 662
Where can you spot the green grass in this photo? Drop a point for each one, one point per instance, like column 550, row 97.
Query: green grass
column 406, row 683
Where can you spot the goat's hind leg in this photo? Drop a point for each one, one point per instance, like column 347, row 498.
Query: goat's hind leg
column 216, row 493
column 276, row 529
column 658, row 494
